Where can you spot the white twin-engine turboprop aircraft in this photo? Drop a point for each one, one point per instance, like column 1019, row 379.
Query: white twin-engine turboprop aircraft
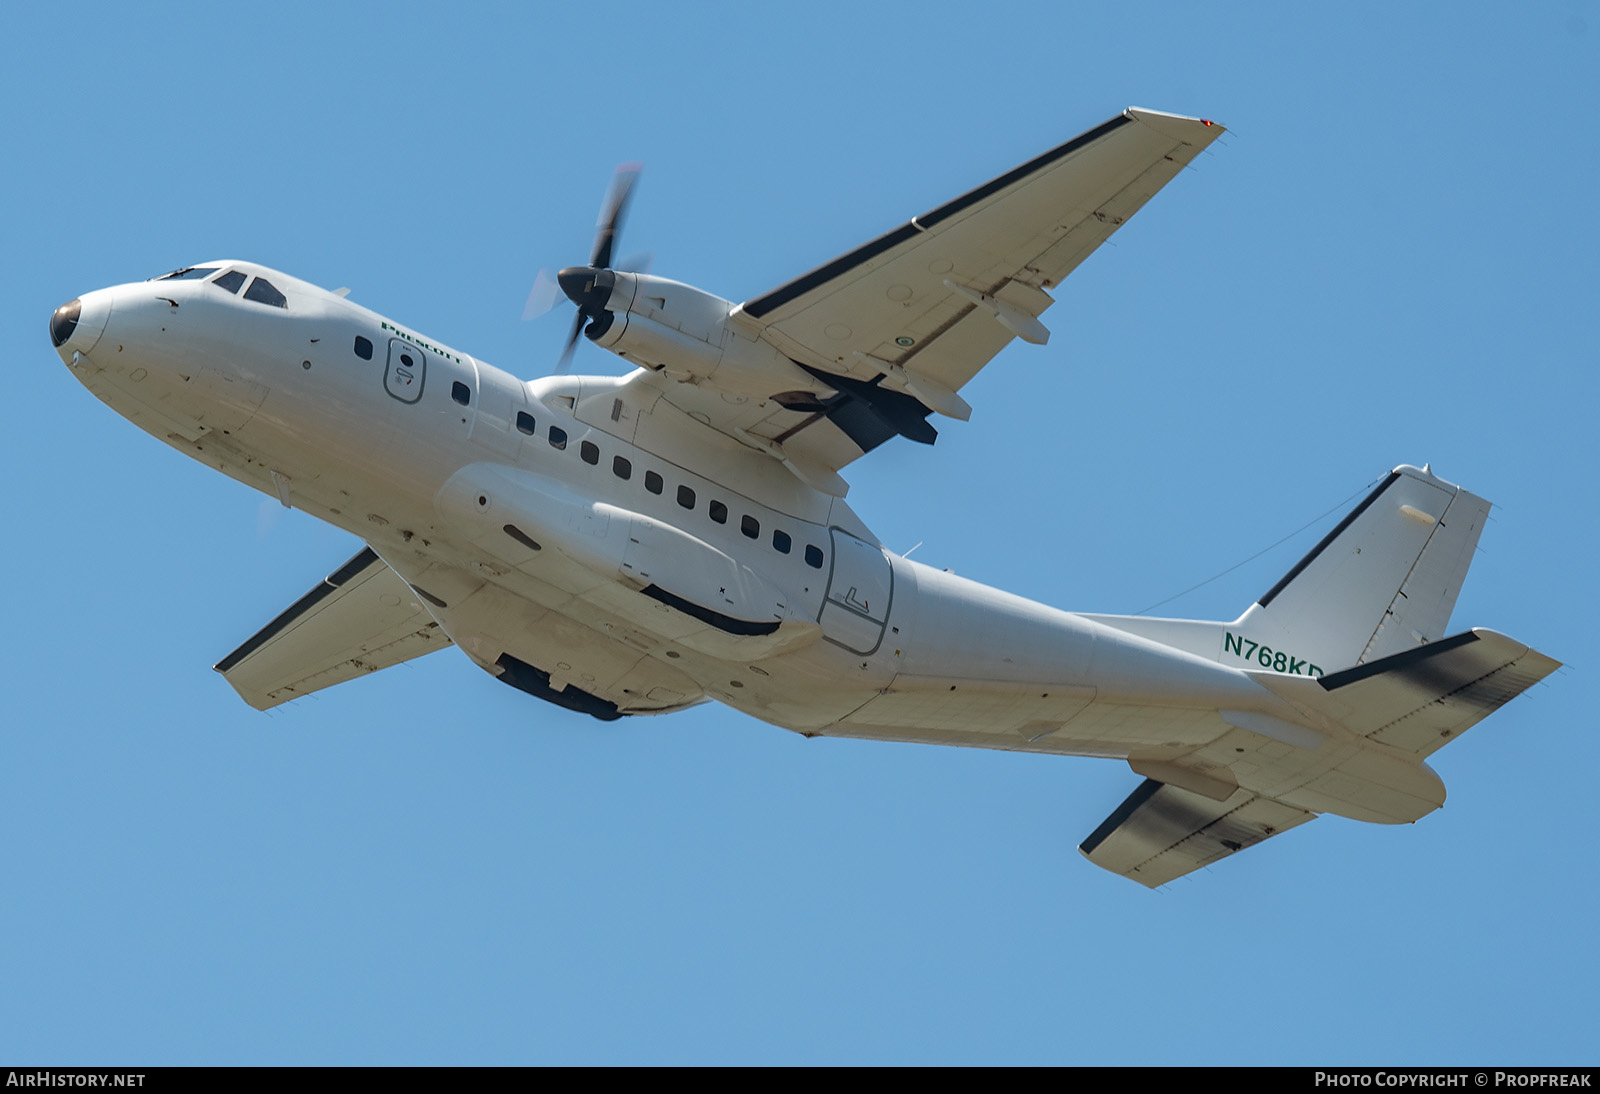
column 636, row 545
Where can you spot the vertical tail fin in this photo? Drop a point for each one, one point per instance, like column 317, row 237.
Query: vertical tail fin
column 1383, row 581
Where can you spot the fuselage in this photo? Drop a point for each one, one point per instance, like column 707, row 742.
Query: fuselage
column 625, row 551
column 637, row 545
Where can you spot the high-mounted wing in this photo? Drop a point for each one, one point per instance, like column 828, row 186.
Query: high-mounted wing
column 940, row 295
column 866, row 347
column 359, row 619
column 897, row 326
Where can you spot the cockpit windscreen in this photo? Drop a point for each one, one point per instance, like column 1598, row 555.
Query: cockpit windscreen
column 188, row 273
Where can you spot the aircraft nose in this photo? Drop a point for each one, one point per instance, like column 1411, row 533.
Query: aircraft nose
column 64, row 321
column 76, row 326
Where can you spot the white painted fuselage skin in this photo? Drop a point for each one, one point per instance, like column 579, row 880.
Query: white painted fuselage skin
column 279, row 398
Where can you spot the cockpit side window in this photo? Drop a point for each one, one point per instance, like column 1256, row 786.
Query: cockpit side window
column 230, row 281
column 188, row 273
column 262, row 292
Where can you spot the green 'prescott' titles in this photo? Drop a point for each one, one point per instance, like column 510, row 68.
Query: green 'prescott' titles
column 419, row 342
column 1267, row 657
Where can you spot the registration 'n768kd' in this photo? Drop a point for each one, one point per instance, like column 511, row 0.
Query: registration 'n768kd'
column 1267, row 657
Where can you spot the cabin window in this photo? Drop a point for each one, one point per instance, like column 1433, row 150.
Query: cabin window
column 460, row 393
column 781, row 541
column 525, row 422
column 558, row 437
column 233, row 279
column 750, row 526
column 363, row 346
column 262, row 291
column 813, row 557
column 621, row 468
column 719, row 512
column 652, row 482
column 686, row 497
column 589, row 452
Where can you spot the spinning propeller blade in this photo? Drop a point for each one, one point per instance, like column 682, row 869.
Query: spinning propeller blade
column 609, row 226
column 544, row 296
column 589, row 287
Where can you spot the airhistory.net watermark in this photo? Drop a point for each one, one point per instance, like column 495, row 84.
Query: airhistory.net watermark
column 37, row 1077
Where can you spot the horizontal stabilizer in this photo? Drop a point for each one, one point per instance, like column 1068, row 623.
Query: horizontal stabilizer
column 1162, row 832
column 359, row 619
column 1423, row 698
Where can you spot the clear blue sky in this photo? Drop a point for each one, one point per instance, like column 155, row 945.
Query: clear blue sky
column 1391, row 257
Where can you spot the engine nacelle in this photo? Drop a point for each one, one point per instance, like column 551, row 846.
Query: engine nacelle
column 685, row 334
